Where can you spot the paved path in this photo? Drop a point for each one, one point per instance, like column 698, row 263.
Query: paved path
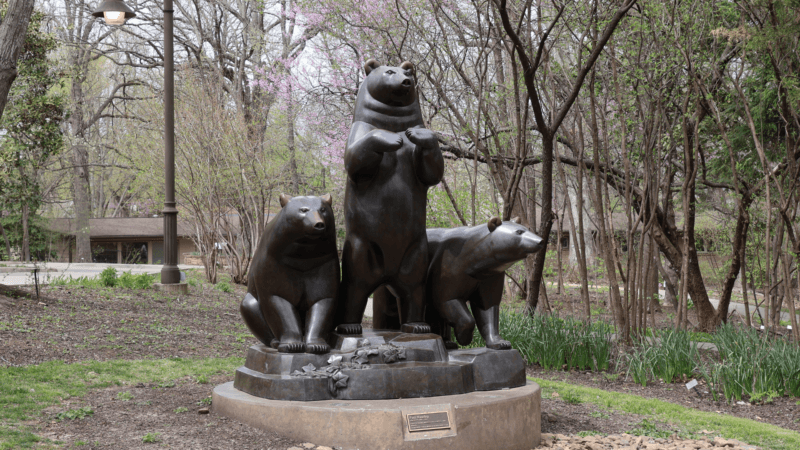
column 732, row 306
column 15, row 273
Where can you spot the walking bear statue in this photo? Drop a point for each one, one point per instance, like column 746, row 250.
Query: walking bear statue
column 294, row 278
column 467, row 264
column 391, row 160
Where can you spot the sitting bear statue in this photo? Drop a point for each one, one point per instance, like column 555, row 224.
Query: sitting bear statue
column 294, row 278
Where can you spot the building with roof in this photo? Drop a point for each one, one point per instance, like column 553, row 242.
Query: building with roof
column 123, row 240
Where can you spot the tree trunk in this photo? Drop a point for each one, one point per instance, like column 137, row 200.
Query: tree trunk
column 26, row 245
column 12, row 36
column 739, row 244
column 546, row 222
column 81, row 203
column 5, row 238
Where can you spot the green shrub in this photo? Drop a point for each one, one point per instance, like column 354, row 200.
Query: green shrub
column 139, row 281
column 754, row 366
column 224, row 286
column 108, row 277
column 553, row 342
column 670, row 355
column 150, row 438
column 75, row 414
column 83, row 281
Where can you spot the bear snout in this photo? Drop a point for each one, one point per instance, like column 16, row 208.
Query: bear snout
column 406, row 82
column 319, row 226
column 532, row 242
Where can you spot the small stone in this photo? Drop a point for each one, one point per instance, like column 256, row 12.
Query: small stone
column 322, row 447
column 203, row 411
column 294, row 448
column 309, row 445
column 720, row 442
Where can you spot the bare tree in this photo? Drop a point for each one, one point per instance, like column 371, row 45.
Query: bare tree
column 13, row 28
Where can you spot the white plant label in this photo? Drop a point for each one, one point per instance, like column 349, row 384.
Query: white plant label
column 691, row 384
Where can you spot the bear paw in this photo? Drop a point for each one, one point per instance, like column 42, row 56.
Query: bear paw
column 292, row 347
column 275, row 343
column 498, row 344
column 317, row 346
column 349, row 328
column 422, row 137
column 415, row 328
column 450, row 345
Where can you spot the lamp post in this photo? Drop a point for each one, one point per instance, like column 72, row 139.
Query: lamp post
column 115, row 12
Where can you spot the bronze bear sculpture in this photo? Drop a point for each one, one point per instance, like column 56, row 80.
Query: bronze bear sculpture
column 467, row 264
column 391, row 160
column 294, row 278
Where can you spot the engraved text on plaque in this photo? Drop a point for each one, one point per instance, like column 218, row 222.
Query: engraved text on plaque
column 428, row 421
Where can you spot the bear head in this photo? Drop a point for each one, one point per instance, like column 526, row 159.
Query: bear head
column 311, row 218
column 510, row 242
column 390, row 85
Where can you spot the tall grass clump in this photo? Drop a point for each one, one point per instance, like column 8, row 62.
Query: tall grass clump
column 753, row 365
column 553, row 342
column 668, row 356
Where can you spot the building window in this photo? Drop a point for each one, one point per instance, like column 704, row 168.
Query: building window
column 104, row 252
column 134, row 253
column 565, row 242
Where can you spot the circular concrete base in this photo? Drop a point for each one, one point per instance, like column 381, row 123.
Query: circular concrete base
column 507, row 419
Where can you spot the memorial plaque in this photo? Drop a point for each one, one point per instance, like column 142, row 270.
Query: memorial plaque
column 428, row 421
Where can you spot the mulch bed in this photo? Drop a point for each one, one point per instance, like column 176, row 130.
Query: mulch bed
column 154, row 411
column 73, row 323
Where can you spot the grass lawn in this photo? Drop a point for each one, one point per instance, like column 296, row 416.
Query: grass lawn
column 688, row 421
column 26, row 391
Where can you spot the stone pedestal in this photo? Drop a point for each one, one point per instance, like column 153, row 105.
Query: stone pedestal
column 506, row 419
column 378, row 365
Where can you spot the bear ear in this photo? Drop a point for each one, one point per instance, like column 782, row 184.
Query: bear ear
column 370, row 65
column 408, row 65
column 516, row 220
column 284, row 199
column 327, row 199
column 494, row 222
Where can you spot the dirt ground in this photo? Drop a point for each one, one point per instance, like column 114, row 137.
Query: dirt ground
column 77, row 324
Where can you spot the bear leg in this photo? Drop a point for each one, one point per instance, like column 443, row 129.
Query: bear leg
column 488, row 321
column 410, row 287
column 251, row 313
column 385, row 314
column 318, row 319
column 440, row 326
column 362, row 270
column 284, row 320
column 413, row 309
column 455, row 312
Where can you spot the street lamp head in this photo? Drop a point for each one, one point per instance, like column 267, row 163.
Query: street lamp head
column 115, row 12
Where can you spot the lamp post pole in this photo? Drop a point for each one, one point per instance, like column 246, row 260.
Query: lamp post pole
column 170, row 274
column 116, row 12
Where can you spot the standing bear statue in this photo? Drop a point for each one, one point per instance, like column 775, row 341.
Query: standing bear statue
column 391, row 160
column 294, row 278
column 467, row 264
